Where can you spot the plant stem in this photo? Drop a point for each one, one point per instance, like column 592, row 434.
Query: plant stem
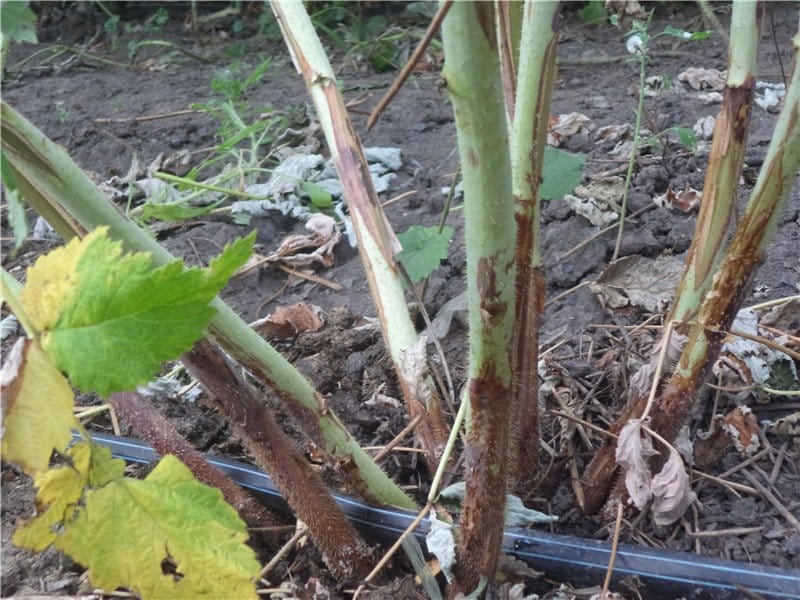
column 725, row 161
column 57, row 188
column 152, row 426
column 297, row 481
column 376, row 240
column 729, row 284
column 634, row 151
column 537, row 67
column 472, row 75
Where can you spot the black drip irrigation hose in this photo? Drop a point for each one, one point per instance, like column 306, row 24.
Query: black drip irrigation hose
column 582, row 562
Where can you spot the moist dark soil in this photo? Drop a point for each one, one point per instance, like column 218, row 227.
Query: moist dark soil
column 98, row 111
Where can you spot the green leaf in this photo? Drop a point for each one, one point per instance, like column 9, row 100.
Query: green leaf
column 423, row 249
column 16, row 209
column 168, row 536
column 561, row 173
column 686, row 36
column 17, row 21
column 109, row 320
column 318, row 195
column 686, row 136
column 175, row 212
column 595, row 10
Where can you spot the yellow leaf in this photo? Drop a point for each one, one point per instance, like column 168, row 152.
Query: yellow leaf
column 53, row 280
column 168, row 536
column 60, row 490
column 37, row 408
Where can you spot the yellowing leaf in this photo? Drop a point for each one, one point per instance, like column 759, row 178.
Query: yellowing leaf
column 37, row 408
column 52, row 282
column 60, row 490
column 109, row 319
column 168, row 536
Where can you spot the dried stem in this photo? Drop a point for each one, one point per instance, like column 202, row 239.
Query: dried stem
column 376, row 240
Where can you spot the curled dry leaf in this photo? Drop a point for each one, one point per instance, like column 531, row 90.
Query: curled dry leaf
column 638, row 281
column 564, row 126
column 669, row 488
column 633, row 453
column 685, row 201
column 741, row 426
column 703, row 79
column 598, row 201
column 612, row 133
column 738, row 429
column 288, row 321
column 704, row 127
column 323, row 238
column 745, row 366
column 672, row 494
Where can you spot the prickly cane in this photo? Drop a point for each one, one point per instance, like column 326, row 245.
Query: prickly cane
column 472, row 77
column 56, row 187
column 537, row 66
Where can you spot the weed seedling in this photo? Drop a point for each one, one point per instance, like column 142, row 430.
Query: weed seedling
column 638, row 44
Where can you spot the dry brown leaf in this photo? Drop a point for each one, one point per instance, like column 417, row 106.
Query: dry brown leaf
column 672, row 494
column 565, row 126
column 633, row 453
column 703, row 79
column 638, row 281
column 288, row 321
column 612, row 133
column 323, row 238
column 741, row 426
column 685, row 201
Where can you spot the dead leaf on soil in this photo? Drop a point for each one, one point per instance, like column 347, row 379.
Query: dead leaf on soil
column 745, row 366
column 785, row 317
column 669, row 489
column 633, row 454
column 612, row 133
column 687, row 200
column 741, row 426
column 638, row 281
column 598, row 201
column 786, row 426
column 704, row 127
column 672, row 493
column 626, row 11
column 323, row 238
column 703, row 79
column 562, row 127
column 710, row 98
column 289, row 321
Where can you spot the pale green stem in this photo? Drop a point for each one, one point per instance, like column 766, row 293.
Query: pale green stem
column 472, row 76
column 10, row 289
column 634, row 151
column 725, row 164
column 56, row 187
column 376, row 240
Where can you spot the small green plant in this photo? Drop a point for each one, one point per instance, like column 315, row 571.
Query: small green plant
column 17, row 24
column 638, row 44
column 239, row 121
column 62, row 113
column 157, row 21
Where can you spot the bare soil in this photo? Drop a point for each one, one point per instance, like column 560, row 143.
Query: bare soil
column 65, row 99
